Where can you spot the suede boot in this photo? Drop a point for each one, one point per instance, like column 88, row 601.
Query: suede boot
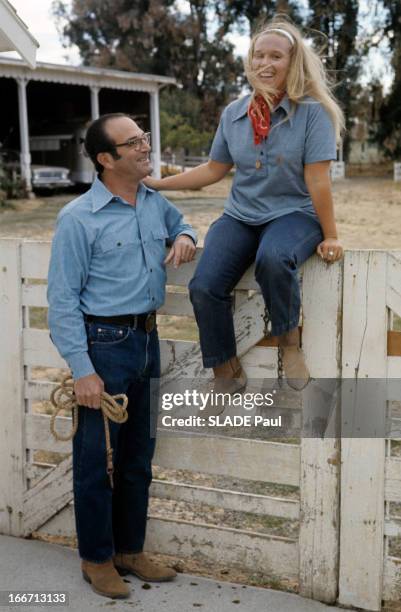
column 229, row 378
column 140, row 565
column 105, row 580
column 295, row 368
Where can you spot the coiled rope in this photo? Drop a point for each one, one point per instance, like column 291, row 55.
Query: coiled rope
column 63, row 398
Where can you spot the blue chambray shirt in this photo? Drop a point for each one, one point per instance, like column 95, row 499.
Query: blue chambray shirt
column 107, row 259
column 277, row 187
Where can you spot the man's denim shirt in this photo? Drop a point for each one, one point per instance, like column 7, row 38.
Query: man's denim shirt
column 107, row 259
column 269, row 177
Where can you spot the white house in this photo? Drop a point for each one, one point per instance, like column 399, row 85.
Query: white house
column 14, row 34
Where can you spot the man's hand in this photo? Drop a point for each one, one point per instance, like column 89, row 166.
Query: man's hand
column 182, row 251
column 88, row 390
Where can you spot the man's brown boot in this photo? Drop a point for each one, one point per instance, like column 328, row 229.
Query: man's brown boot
column 295, row 368
column 105, row 580
column 140, row 565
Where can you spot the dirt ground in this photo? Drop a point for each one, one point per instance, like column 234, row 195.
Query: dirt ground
column 368, row 212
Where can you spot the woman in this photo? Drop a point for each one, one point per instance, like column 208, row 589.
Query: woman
column 281, row 139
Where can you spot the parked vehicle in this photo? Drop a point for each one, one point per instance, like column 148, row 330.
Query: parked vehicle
column 50, row 177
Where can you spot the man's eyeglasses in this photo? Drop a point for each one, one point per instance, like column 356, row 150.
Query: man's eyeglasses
column 136, row 143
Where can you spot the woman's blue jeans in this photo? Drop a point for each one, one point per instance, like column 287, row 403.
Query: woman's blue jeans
column 110, row 520
column 278, row 248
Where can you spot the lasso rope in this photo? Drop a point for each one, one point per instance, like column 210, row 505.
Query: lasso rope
column 63, row 398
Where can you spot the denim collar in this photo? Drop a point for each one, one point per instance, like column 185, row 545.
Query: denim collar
column 101, row 196
column 242, row 109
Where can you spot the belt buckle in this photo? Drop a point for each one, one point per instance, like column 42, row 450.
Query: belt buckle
column 150, row 322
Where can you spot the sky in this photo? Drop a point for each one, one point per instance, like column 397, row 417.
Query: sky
column 37, row 16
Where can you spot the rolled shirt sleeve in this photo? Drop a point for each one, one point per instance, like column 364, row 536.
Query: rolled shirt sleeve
column 68, row 271
column 320, row 138
column 175, row 222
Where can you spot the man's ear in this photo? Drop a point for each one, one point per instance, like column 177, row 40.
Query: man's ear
column 106, row 159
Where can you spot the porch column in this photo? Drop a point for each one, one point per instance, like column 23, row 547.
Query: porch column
column 25, row 155
column 94, row 102
column 155, row 129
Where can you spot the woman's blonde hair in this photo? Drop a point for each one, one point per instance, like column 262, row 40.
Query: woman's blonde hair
column 307, row 75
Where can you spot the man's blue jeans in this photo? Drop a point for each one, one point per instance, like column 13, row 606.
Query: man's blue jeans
column 110, row 520
column 277, row 248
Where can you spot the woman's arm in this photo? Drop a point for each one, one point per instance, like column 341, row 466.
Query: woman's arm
column 317, row 179
column 205, row 174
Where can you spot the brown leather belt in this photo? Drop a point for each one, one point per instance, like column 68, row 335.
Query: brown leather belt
column 146, row 321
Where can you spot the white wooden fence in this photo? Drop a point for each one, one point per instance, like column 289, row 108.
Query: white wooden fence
column 348, row 488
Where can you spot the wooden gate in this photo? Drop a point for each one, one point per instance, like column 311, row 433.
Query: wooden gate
column 333, row 555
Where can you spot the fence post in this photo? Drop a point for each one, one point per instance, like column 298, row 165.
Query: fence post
column 12, row 452
column 363, row 459
column 320, row 458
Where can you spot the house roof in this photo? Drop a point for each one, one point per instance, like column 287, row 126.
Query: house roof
column 84, row 75
column 14, row 34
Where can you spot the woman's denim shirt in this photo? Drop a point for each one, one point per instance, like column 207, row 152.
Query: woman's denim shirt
column 269, row 178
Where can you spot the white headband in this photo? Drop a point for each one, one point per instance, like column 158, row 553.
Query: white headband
column 287, row 34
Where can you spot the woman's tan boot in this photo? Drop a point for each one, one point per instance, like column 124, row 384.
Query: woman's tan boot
column 294, row 366
column 229, row 378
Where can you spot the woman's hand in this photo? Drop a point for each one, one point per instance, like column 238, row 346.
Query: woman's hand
column 330, row 250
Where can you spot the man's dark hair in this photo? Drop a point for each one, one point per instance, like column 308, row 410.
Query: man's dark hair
column 97, row 141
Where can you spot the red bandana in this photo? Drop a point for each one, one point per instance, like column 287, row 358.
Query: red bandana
column 259, row 114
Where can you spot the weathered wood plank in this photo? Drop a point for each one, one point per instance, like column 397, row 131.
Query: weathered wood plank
column 39, row 437
column 230, row 500
column 392, row 528
column 35, row 257
column 275, row 556
column 34, row 295
column 248, row 324
column 40, row 351
column 264, row 461
column 394, row 367
column 392, row 485
column 175, row 304
column 320, row 458
column 392, row 579
column 362, row 475
column 49, row 496
column 38, row 390
column 393, row 288
column 240, row 458
column 12, row 450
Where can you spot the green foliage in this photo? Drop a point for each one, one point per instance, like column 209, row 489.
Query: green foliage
column 389, row 125
column 159, row 38
column 11, row 185
column 177, row 133
column 181, row 123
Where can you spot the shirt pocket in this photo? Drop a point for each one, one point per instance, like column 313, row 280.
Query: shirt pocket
column 159, row 237
column 116, row 241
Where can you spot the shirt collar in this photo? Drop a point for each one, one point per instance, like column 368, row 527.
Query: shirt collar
column 242, row 110
column 101, row 196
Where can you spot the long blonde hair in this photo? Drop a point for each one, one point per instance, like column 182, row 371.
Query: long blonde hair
column 307, row 75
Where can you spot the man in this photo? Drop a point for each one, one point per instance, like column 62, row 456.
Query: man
column 106, row 279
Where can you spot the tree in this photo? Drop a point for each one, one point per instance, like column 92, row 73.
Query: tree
column 249, row 14
column 338, row 21
column 389, row 127
column 156, row 37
